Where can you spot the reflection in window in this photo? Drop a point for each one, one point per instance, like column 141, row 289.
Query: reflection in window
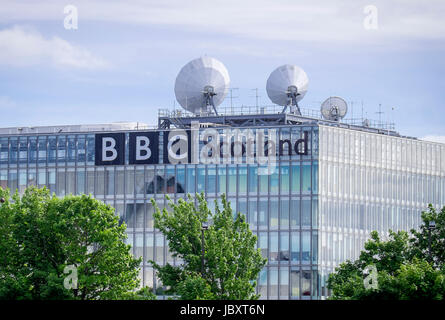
column 262, row 283
column 52, row 180
column 211, row 179
column 242, row 206
column 295, row 178
column 70, row 181
column 159, row 248
column 80, row 183
column 295, row 247
column 284, row 283
column 262, row 214
column 253, row 214
column 274, row 181
column 149, row 241
column 140, row 212
column 60, row 183
column 12, row 181
column 42, row 150
column 314, row 247
column 13, row 151
column 306, row 246
column 180, row 179
column 61, row 150
column 315, row 177
column 273, row 214
column 129, row 215
column 32, row 151
column 273, row 283
column 315, row 213
column 284, row 213
column 262, row 239
column 130, row 182
column 231, row 171
column 222, row 179
column 120, row 181
column 284, row 179
column 139, row 181
column 264, row 179
column 81, row 150
column 284, row 246
column 109, row 181
column 149, row 216
column 306, row 283
column 306, row 177
column 295, row 213
column 273, row 249
column 170, row 179
column 253, row 179
column 191, row 180
column 306, row 213
column 242, row 179
column 71, row 156
column 100, row 182
column 22, row 181
column 90, row 149
column 200, row 186
column 23, row 150
column 32, row 178
column 90, row 181
column 4, row 151
column 139, row 246
column 295, row 283
column 41, row 179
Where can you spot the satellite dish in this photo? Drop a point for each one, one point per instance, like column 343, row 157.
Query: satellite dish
column 334, row 108
column 202, row 85
column 286, row 86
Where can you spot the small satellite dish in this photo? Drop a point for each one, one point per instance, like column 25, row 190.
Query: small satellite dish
column 286, row 86
column 334, row 108
column 202, row 85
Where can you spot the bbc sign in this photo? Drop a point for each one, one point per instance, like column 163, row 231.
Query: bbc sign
column 178, row 147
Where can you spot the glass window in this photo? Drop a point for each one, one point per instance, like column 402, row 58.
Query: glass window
column 262, row 240
column 109, row 181
column 211, row 179
column 12, row 181
column 120, row 180
column 315, row 213
column 90, row 149
column 32, row 151
column 90, row 181
column 242, row 179
column 274, row 180
column 61, row 149
column 253, row 214
column 22, row 181
column 306, row 246
column 180, row 179
column 284, row 246
column 60, row 182
column 273, row 213
column 262, row 283
column 191, row 179
column 306, row 212
column 13, row 151
column 42, row 150
column 170, row 179
column 253, row 179
column 100, row 182
column 295, row 282
column 159, row 248
column 52, row 180
column 149, row 240
column 70, row 181
column 273, row 283
column 314, row 247
column 3, row 179
column 315, row 177
column 262, row 214
column 263, row 176
column 306, row 283
column 231, row 188
column 284, row 283
column 23, row 150
column 32, row 177
column 284, row 179
column 306, row 177
column 284, row 213
column 295, row 213
column 139, row 181
column 129, row 215
column 41, row 179
column 315, row 284
column 149, row 216
column 295, row 247
column 273, row 249
column 140, row 212
column 81, row 150
column 4, row 151
column 139, row 247
column 295, row 178
column 71, row 156
column 129, row 185
column 242, row 206
column 222, row 179
column 80, row 181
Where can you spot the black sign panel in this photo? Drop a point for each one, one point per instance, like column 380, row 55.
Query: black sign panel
column 144, row 148
column 110, row 149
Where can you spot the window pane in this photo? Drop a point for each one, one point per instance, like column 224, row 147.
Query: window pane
column 139, row 181
column 306, row 246
column 295, row 283
column 109, row 181
column 262, row 283
column 262, row 214
column 284, row 283
column 149, row 216
column 295, row 213
column 70, row 181
column 130, row 182
column 273, row 214
column 211, row 179
column 60, row 183
column 140, row 212
column 274, row 181
column 262, row 238
column 253, row 179
column 284, row 246
column 306, row 178
column 129, row 215
column 253, row 214
column 120, row 181
column 80, row 181
column 264, row 179
column 191, row 180
column 314, row 247
column 306, row 283
column 231, row 188
column 284, row 213
column 149, row 240
column 284, row 179
column 295, row 247
column 159, row 248
column 273, row 249
column 306, row 213
column 242, row 179
column 295, row 178
column 273, row 283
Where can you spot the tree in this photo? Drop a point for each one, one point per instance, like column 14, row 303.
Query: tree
column 403, row 268
column 232, row 263
column 40, row 235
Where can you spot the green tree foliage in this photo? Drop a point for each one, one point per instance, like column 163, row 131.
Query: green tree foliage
column 232, row 263
column 405, row 268
column 41, row 234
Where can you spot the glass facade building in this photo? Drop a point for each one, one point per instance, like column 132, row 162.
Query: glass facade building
column 311, row 213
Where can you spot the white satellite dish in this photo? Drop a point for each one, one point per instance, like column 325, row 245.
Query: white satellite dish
column 286, row 86
column 334, row 108
column 202, row 85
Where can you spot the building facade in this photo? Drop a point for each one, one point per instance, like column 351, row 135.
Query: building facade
column 329, row 187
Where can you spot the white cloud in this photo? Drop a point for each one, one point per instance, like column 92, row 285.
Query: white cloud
column 23, row 47
column 434, row 138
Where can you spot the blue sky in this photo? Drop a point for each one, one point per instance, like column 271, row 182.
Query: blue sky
column 121, row 62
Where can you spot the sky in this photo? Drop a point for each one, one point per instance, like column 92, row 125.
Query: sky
column 121, row 62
